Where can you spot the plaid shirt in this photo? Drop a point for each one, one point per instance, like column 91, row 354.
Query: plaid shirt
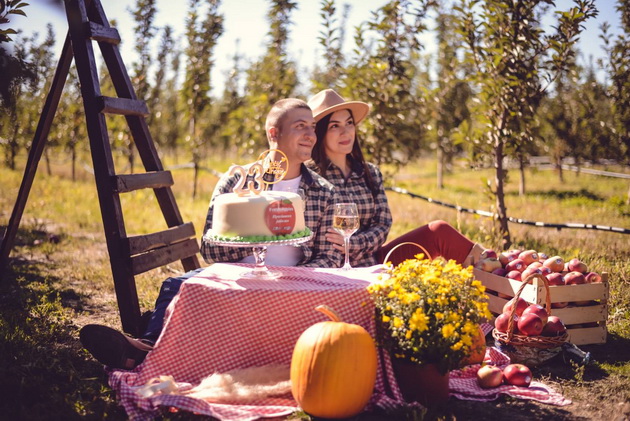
column 376, row 218
column 318, row 216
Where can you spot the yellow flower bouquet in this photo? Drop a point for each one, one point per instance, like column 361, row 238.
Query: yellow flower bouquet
column 429, row 311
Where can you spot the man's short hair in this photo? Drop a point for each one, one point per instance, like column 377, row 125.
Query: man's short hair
column 276, row 115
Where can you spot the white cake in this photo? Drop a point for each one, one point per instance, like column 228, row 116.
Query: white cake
column 271, row 215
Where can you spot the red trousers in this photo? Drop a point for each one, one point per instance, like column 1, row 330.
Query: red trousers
column 437, row 237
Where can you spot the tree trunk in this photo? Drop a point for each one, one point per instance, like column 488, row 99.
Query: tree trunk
column 73, row 154
column 559, row 168
column 440, row 167
column 500, row 195
column 47, row 159
column 195, row 178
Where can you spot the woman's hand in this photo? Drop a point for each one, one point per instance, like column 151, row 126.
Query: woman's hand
column 335, row 238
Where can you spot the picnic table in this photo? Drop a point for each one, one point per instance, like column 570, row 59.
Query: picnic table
column 221, row 321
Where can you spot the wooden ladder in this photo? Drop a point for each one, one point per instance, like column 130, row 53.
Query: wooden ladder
column 129, row 255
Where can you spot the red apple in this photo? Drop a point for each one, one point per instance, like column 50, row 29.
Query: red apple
column 556, row 278
column 530, row 271
column 528, row 256
column 488, row 254
column 517, row 375
column 489, row 376
column 576, row 265
column 574, row 278
column 514, row 274
column 534, row 265
column 542, row 257
column 488, row 265
column 555, row 263
column 502, row 321
column 521, row 305
column 538, row 310
column 530, row 324
column 545, row 270
column 516, row 264
column 506, row 258
column 554, row 327
column 593, row 277
column 499, row 272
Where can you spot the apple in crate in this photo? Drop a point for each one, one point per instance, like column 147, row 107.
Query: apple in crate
column 538, row 310
column 593, row 278
column 574, row 278
column 545, row 270
column 515, row 274
column 488, row 265
column 542, row 257
column 554, row 327
column 555, row 263
column 516, row 264
column 517, row 375
column 576, row 265
column 488, row 254
column 528, row 256
column 556, row 278
column 499, row 272
column 521, row 305
column 489, row 376
column 530, row 324
column 530, row 271
column 506, row 257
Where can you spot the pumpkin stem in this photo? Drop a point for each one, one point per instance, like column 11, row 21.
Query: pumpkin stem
column 328, row 312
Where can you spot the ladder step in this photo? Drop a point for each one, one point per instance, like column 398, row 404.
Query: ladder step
column 122, row 106
column 163, row 256
column 102, row 33
column 125, row 183
column 142, row 243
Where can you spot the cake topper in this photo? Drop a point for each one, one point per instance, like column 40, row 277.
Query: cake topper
column 264, row 165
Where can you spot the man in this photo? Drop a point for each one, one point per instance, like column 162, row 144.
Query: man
column 290, row 129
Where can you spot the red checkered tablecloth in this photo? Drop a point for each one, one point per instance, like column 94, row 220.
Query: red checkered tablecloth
column 220, row 321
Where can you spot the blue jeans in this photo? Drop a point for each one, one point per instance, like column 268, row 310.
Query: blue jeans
column 168, row 291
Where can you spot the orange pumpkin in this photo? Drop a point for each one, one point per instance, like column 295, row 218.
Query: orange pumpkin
column 333, row 368
column 477, row 349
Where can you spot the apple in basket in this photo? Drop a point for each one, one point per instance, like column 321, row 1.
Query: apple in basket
column 554, row 327
column 502, row 321
column 538, row 310
column 530, row 324
column 515, row 274
column 489, row 376
column 521, row 305
column 516, row 264
column 517, row 375
column 530, row 271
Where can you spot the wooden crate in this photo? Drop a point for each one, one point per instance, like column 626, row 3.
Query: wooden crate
column 586, row 324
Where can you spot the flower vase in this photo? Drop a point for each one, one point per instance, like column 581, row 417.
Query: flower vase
column 421, row 383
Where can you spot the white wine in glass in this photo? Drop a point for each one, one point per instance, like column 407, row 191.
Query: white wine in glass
column 346, row 222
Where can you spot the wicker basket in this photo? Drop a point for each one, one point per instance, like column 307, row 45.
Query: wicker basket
column 529, row 350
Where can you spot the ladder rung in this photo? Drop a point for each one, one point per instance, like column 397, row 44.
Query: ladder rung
column 142, row 243
column 124, row 183
column 123, row 106
column 163, row 256
column 102, row 33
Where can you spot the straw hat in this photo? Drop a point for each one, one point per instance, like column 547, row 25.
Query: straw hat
column 328, row 101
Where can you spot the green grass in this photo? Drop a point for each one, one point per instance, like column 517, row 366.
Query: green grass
column 53, row 288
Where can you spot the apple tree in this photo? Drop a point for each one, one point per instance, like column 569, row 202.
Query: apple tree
column 512, row 56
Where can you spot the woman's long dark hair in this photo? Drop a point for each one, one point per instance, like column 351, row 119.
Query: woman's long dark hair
column 322, row 162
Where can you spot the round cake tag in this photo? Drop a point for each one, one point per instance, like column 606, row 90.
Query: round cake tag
column 276, row 168
column 280, row 217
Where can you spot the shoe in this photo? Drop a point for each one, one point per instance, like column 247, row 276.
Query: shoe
column 113, row 348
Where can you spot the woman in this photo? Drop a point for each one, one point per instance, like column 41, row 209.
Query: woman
column 337, row 156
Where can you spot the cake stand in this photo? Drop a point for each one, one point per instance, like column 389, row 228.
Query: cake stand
column 260, row 271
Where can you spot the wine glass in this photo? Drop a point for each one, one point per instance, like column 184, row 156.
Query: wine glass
column 346, row 222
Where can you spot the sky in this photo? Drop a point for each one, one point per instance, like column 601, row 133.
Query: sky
column 246, row 25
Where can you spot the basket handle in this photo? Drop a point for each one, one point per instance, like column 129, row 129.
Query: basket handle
column 528, row 280
column 406, row 243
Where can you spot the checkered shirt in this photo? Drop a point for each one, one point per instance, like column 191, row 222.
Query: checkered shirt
column 376, row 218
column 318, row 216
